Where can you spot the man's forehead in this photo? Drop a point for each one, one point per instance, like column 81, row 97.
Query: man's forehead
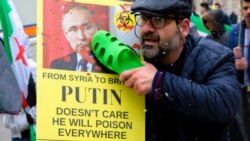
column 164, row 15
column 76, row 16
column 245, row 3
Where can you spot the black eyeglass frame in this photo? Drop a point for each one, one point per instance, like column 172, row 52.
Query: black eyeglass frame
column 138, row 17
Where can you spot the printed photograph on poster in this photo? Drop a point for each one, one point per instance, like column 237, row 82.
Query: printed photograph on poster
column 67, row 38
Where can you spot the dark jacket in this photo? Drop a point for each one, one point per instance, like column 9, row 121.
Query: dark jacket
column 69, row 62
column 197, row 97
column 233, row 42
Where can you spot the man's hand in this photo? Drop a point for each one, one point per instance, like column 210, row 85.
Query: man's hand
column 241, row 64
column 237, row 52
column 140, row 79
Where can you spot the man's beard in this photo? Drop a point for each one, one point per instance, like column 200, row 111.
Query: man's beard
column 152, row 53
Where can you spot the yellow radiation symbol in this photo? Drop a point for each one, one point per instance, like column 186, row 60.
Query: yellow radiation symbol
column 124, row 21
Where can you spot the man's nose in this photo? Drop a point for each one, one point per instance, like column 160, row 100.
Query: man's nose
column 81, row 34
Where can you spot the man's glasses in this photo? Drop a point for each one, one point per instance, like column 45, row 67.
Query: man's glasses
column 155, row 21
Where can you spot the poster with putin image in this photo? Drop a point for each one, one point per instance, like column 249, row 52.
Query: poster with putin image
column 78, row 98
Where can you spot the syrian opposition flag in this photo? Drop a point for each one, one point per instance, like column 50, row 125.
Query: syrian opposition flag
column 15, row 42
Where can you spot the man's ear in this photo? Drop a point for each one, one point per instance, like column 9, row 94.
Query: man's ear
column 184, row 27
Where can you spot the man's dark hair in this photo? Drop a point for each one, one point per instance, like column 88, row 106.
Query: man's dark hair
column 205, row 5
column 190, row 2
column 218, row 4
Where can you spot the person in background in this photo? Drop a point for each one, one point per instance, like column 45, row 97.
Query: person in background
column 241, row 47
column 213, row 21
column 233, row 17
column 225, row 18
column 79, row 26
column 204, row 8
column 239, row 42
column 190, row 82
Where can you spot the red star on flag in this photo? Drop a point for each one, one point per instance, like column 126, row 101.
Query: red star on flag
column 20, row 54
